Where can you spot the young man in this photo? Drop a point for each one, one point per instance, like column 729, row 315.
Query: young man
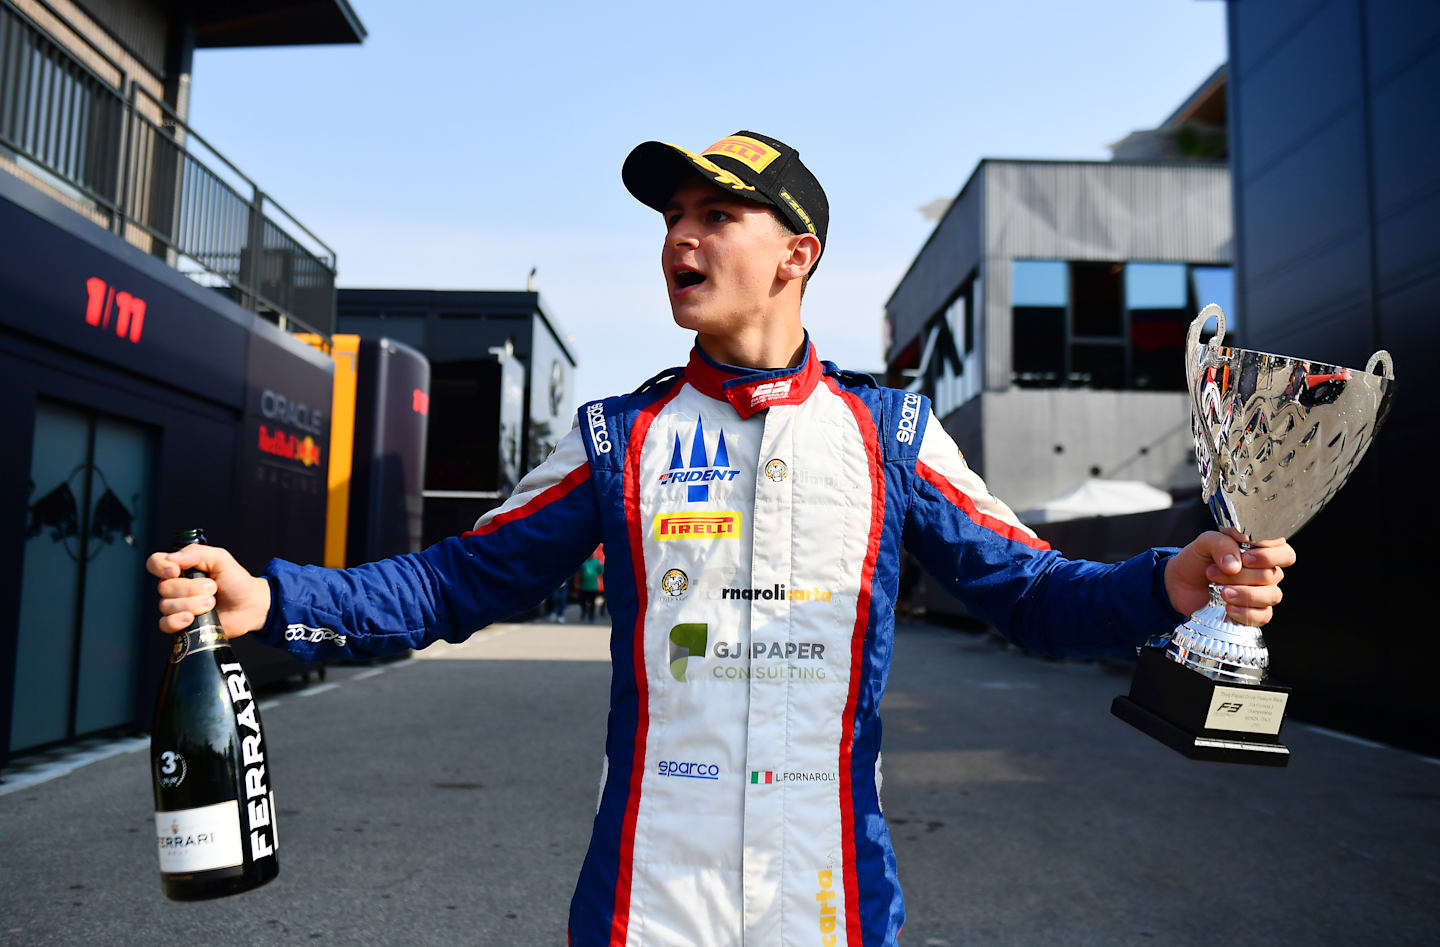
column 753, row 506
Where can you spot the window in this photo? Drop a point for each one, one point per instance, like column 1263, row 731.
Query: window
column 942, row 362
column 973, row 309
column 1097, row 326
column 1156, row 297
column 1097, row 310
column 961, row 313
column 1215, row 284
column 1109, row 325
column 1039, row 297
column 1155, row 285
column 1097, row 365
column 1039, row 283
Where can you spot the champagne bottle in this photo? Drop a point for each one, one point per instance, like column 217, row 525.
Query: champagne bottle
column 214, row 810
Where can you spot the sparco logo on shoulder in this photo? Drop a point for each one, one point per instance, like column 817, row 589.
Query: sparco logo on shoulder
column 599, row 434
column 909, row 418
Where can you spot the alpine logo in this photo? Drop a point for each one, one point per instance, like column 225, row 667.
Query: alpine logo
column 599, row 433
column 700, row 472
column 909, row 418
column 771, row 391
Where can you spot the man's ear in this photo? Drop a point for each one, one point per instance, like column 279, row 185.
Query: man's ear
column 804, row 250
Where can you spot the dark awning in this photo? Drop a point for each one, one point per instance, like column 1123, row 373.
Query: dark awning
column 275, row 23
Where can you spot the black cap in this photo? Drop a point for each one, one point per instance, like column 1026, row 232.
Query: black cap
column 757, row 167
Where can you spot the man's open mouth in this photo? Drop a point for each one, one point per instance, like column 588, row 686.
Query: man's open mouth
column 687, row 278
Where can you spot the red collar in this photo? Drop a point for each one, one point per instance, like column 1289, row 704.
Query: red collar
column 751, row 392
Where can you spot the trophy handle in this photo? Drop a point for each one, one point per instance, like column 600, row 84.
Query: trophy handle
column 1193, row 336
column 1195, row 355
column 1381, row 359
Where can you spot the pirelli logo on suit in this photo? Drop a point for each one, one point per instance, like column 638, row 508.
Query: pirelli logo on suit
column 697, row 526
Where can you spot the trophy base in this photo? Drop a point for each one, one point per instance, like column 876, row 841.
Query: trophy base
column 1202, row 718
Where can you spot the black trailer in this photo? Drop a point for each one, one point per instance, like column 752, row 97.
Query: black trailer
column 137, row 403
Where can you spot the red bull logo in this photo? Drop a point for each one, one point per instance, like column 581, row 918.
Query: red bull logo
column 290, row 447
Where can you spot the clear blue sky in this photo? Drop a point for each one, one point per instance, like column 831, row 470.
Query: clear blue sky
column 463, row 143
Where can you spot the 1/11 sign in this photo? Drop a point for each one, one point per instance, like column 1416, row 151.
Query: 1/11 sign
column 129, row 310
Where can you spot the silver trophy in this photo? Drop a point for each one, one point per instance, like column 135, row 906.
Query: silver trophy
column 1275, row 439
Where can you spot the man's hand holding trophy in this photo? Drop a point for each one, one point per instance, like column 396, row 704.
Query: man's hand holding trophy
column 1275, row 439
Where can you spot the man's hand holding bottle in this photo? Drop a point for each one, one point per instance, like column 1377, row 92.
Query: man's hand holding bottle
column 241, row 600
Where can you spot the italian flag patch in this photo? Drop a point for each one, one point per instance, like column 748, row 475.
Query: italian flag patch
column 757, row 777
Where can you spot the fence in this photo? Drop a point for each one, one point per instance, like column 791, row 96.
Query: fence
column 117, row 147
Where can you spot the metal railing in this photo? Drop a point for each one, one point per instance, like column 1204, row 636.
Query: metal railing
column 124, row 151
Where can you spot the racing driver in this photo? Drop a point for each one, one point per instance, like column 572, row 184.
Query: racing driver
column 753, row 506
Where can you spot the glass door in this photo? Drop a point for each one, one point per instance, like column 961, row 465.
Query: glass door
column 77, row 657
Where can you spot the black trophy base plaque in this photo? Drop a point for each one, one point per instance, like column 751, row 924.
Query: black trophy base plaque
column 1203, row 718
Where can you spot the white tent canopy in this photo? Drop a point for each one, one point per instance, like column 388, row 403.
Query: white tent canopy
column 1099, row 498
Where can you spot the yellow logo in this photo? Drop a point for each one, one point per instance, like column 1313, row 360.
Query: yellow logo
column 756, row 154
column 799, row 210
column 722, row 176
column 828, row 915
column 702, row 526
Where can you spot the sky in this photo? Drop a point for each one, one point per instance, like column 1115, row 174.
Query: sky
column 463, row 144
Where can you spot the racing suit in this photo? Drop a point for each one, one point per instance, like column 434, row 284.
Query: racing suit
column 753, row 524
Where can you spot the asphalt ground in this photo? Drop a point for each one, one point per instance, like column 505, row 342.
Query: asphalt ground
column 448, row 799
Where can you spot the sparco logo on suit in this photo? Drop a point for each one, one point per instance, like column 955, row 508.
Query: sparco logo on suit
column 909, row 418
column 599, row 433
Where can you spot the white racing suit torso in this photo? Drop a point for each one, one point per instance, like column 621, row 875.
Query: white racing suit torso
column 753, row 525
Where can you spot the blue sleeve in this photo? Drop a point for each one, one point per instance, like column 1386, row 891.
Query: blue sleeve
column 979, row 551
column 516, row 555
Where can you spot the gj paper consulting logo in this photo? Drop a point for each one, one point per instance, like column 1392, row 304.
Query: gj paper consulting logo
column 686, row 641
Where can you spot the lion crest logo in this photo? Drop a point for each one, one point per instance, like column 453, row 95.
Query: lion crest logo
column 776, row 470
column 674, row 582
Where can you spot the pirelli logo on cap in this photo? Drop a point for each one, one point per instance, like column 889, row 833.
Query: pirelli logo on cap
column 756, row 154
column 701, row 526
